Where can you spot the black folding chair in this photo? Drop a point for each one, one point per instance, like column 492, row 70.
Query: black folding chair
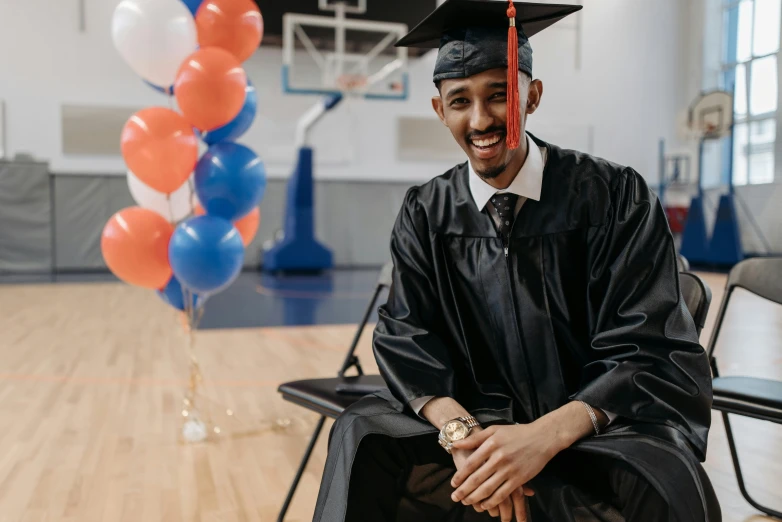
column 329, row 397
column 748, row 396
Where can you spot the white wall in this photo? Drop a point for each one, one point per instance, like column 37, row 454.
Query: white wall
column 624, row 97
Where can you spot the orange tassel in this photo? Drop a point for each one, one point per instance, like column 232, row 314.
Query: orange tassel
column 513, row 116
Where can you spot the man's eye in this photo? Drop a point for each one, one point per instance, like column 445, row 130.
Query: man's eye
column 498, row 96
column 459, row 101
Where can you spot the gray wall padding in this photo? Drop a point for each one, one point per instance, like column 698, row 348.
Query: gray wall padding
column 82, row 206
column 25, row 217
column 353, row 218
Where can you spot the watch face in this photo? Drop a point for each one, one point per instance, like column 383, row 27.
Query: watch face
column 455, row 430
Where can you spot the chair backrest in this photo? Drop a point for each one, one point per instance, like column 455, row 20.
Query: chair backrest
column 697, row 297
column 383, row 282
column 682, row 263
column 762, row 276
column 385, row 275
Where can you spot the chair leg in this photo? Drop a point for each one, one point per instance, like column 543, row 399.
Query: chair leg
column 734, row 454
column 300, row 472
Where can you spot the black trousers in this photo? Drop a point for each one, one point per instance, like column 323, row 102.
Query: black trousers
column 408, row 480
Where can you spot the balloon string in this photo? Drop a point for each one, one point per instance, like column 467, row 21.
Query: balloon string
column 193, row 314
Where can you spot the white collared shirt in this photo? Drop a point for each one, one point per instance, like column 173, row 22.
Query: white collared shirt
column 527, row 184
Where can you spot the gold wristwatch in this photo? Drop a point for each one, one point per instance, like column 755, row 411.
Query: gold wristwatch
column 456, row 429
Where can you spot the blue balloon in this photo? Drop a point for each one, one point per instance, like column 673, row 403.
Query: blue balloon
column 169, row 91
column 172, row 294
column 193, row 5
column 239, row 125
column 230, row 180
column 206, row 254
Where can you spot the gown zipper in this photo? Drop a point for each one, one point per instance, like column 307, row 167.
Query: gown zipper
column 533, row 392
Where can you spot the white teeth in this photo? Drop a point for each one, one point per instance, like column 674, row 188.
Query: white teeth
column 487, row 143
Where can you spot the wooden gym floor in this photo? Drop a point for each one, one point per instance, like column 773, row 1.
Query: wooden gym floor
column 91, row 385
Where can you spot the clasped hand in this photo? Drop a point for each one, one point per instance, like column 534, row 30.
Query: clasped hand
column 503, row 460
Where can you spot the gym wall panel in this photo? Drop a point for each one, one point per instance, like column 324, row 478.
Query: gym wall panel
column 353, row 218
column 426, row 139
column 25, row 218
column 93, row 130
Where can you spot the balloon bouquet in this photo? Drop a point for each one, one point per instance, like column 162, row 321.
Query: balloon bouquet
column 186, row 247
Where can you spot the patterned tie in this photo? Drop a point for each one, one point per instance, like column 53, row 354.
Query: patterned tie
column 505, row 205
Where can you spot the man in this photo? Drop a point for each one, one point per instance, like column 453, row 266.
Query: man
column 534, row 321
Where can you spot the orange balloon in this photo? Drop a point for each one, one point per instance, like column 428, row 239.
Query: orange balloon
column 160, row 148
column 210, row 88
column 247, row 225
column 233, row 25
column 135, row 247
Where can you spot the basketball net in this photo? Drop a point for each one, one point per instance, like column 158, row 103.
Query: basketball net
column 352, row 83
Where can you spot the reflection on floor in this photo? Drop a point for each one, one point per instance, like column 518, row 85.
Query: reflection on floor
column 258, row 299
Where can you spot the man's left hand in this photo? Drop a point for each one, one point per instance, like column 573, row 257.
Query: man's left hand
column 505, row 458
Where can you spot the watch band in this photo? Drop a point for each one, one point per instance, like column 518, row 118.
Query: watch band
column 470, row 421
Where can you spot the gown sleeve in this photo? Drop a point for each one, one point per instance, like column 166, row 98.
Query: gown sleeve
column 413, row 359
column 644, row 360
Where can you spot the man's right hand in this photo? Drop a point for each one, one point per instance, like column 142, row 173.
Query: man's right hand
column 516, row 502
column 440, row 410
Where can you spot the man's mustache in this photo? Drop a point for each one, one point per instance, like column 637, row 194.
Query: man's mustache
column 477, row 134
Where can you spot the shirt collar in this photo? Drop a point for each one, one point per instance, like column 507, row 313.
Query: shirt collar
column 527, row 182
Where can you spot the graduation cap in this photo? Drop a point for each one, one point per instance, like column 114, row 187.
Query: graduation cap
column 474, row 36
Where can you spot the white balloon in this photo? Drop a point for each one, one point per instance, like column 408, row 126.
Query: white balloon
column 154, row 37
column 182, row 202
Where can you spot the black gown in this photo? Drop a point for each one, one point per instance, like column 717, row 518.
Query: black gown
column 585, row 306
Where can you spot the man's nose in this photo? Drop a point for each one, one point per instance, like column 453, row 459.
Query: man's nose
column 480, row 119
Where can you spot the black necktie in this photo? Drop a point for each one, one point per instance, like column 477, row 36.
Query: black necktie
column 505, row 205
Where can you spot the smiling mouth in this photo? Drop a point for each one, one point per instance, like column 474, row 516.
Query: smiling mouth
column 487, row 146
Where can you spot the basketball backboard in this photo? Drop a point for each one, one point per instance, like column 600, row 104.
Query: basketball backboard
column 343, row 46
column 711, row 115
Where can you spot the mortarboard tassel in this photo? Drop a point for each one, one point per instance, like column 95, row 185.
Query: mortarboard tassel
column 514, row 125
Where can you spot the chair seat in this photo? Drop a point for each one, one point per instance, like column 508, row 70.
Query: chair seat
column 759, row 398
column 321, row 395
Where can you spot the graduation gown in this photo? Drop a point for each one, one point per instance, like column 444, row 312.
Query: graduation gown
column 585, row 305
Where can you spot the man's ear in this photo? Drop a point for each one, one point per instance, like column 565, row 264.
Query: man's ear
column 534, row 96
column 437, row 105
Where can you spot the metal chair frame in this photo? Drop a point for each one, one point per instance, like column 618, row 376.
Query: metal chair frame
column 758, row 277
column 351, row 361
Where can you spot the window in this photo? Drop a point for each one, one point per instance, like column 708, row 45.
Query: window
column 750, row 65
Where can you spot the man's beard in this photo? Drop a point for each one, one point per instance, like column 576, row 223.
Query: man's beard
column 492, row 172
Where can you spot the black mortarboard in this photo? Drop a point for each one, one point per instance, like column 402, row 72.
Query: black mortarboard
column 474, row 36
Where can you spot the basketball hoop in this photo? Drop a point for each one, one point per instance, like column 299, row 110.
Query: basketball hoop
column 352, row 83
